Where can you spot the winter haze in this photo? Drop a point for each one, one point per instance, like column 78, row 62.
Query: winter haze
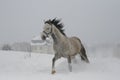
column 94, row 21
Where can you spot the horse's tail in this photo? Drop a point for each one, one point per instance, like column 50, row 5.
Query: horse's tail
column 83, row 54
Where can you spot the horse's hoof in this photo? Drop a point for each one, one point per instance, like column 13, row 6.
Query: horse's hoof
column 53, row 72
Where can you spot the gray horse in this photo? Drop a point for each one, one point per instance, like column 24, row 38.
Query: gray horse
column 63, row 46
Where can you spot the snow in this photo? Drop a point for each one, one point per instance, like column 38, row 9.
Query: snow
column 20, row 66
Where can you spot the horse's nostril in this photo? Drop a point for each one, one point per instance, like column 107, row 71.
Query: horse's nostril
column 43, row 38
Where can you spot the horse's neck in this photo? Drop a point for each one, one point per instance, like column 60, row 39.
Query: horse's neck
column 57, row 35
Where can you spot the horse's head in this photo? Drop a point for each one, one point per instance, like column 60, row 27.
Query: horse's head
column 50, row 26
column 47, row 30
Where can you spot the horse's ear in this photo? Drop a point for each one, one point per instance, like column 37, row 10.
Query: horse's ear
column 54, row 19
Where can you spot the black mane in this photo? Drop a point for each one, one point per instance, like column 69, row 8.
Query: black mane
column 57, row 24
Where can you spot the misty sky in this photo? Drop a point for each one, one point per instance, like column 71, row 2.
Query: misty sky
column 93, row 21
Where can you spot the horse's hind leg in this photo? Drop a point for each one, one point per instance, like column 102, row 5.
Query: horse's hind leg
column 69, row 63
column 83, row 54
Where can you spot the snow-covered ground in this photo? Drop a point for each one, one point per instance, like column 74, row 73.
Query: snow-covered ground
column 19, row 66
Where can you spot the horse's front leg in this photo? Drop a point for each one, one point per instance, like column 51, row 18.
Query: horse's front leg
column 56, row 57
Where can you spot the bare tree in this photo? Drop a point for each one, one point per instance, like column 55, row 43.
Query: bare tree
column 6, row 47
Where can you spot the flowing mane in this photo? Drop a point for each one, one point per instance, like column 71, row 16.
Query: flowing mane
column 57, row 24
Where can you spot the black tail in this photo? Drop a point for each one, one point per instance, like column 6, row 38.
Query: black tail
column 83, row 54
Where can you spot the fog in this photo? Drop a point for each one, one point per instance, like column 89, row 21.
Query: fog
column 93, row 21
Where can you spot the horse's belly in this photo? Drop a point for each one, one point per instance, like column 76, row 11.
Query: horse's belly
column 65, row 50
column 62, row 53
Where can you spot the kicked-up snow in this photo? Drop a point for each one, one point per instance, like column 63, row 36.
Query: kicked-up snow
column 20, row 66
